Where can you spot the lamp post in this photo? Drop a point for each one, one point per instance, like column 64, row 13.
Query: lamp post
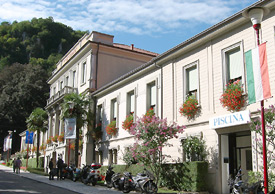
column 256, row 15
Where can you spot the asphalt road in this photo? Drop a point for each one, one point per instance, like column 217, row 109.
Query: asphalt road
column 11, row 183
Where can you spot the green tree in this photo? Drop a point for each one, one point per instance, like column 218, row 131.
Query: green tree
column 77, row 106
column 40, row 38
column 22, row 89
column 37, row 122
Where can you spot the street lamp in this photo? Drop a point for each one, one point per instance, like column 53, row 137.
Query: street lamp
column 256, row 15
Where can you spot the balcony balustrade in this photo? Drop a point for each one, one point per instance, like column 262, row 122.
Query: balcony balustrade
column 60, row 94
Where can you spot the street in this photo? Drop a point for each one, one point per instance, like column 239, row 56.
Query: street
column 11, row 183
column 31, row 183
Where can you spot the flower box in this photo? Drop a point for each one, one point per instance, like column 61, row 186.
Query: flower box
column 232, row 98
column 111, row 128
column 190, row 107
column 128, row 122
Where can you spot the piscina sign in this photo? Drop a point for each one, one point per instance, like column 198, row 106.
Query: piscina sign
column 236, row 118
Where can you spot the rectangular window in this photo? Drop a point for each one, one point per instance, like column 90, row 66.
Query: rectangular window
column 152, row 96
column 113, row 109
column 67, row 81
column 233, row 64
column 61, row 85
column 83, row 73
column 99, row 113
column 130, row 102
column 74, row 79
column 54, row 90
column 191, row 80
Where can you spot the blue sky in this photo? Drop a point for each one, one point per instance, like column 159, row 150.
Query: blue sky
column 154, row 25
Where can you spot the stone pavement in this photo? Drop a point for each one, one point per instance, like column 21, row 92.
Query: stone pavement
column 77, row 187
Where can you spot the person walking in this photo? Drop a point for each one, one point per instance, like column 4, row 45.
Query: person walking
column 18, row 165
column 51, row 170
column 14, row 164
column 60, row 164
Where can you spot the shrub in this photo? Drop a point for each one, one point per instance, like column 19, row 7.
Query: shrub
column 194, row 148
column 187, row 176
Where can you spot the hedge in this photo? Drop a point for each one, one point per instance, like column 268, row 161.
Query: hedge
column 32, row 162
column 187, row 176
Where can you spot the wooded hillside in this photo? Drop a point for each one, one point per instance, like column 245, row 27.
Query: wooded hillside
column 29, row 51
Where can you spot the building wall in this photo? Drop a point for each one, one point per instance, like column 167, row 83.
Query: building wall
column 123, row 138
column 210, row 59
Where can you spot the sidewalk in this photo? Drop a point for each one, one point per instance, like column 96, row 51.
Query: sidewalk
column 77, row 187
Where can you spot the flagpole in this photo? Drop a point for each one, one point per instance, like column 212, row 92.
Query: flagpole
column 69, row 152
column 27, row 153
column 257, row 28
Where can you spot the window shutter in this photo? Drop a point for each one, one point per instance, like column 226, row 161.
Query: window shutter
column 234, row 64
column 153, row 95
column 192, row 78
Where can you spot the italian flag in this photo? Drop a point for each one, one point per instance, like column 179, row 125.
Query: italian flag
column 257, row 74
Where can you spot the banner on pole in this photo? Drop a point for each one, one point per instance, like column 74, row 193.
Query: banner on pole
column 7, row 143
column 70, row 128
column 29, row 137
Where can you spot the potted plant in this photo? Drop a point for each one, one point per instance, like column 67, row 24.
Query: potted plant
column 49, row 141
column 72, row 146
column 232, row 98
column 61, row 137
column 33, row 148
column 55, row 138
column 190, row 107
column 97, row 132
column 111, row 128
column 42, row 148
column 128, row 122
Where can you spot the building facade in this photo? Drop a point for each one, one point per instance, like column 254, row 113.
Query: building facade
column 93, row 62
column 202, row 66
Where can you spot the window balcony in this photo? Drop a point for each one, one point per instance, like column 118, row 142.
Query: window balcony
column 60, row 94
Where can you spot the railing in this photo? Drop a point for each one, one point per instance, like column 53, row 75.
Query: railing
column 60, row 94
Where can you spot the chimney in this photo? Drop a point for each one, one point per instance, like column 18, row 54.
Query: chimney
column 132, row 47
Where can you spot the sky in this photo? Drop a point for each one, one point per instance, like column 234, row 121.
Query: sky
column 153, row 25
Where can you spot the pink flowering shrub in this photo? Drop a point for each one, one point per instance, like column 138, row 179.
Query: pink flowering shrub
column 150, row 138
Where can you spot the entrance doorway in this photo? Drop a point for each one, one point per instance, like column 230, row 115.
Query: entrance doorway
column 236, row 153
column 240, row 153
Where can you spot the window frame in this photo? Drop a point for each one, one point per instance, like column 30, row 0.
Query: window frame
column 74, row 79
column 113, row 111
column 149, row 96
column 225, row 68
column 83, row 72
column 186, row 81
column 129, row 103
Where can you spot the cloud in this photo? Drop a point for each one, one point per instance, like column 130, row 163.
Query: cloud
column 133, row 16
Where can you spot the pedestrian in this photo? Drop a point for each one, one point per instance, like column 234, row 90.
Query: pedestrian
column 14, row 164
column 18, row 165
column 51, row 170
column 60, row 164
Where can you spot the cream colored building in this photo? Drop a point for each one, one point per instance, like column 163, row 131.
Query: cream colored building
column 94, row 61
column 201, row 65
